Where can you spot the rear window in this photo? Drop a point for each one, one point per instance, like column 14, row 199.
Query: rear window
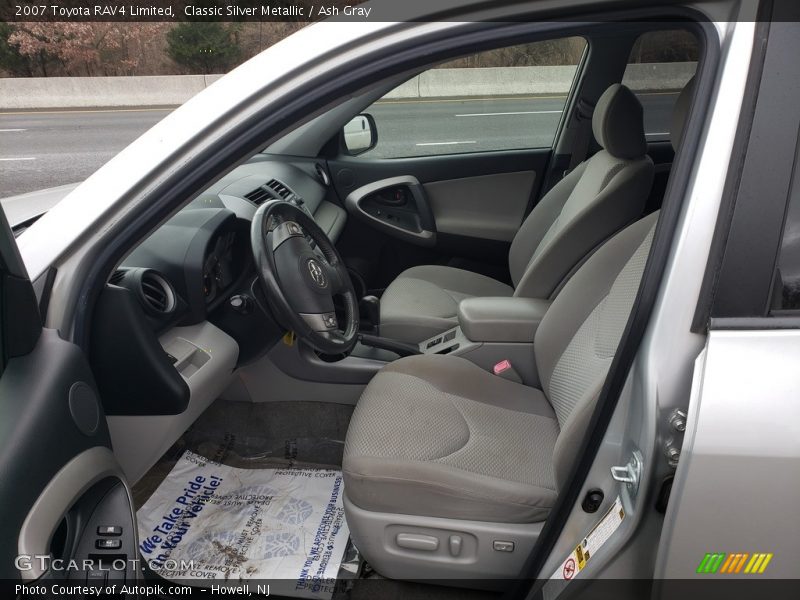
column 786, row 290
column 660, row 64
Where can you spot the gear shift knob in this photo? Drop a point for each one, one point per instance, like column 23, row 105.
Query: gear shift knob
column 370, row 309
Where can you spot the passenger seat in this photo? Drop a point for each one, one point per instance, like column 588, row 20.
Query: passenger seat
column 598, row 198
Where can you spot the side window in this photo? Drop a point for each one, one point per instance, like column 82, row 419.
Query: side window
column 786, row 294
column 660, row 64
column 504, row 99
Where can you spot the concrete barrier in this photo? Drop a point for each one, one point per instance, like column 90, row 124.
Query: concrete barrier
column 531, row 81
column 29, row 93
column 95, row 92
column 500, row 81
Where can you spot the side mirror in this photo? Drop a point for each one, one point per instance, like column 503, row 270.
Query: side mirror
column 360, row 134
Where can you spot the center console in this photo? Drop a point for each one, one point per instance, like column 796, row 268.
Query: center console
column 492, row 330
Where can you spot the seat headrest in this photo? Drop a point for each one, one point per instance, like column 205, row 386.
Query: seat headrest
column 679, row 113
column 617, row 123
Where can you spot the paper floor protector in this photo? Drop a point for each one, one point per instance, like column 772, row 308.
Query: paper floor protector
column 212, row 524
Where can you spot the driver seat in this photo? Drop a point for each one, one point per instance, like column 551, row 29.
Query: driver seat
column 449, row 470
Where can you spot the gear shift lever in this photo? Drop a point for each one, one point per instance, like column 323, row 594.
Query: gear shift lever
column 370, row 309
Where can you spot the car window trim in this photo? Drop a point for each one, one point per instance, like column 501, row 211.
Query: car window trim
column 640, row 315
column 739, row 280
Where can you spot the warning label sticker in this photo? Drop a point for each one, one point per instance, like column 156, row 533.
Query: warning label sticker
column 579, row 557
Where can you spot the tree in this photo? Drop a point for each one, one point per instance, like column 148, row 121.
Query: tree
column 204, row 47
column 83, row 48
column 11, row 60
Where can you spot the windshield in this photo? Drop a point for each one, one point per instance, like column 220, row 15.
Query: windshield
column 76, row 94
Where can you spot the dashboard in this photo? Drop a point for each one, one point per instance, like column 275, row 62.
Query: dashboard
column 196, row 271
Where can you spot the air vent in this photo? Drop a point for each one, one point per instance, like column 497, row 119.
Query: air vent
column 117, row 277
column 323, row 174
column 258, row 195
column 272, row 189
column 279, row 188
column 157, row 293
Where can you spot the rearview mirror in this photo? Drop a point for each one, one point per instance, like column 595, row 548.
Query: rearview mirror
column 360, row 134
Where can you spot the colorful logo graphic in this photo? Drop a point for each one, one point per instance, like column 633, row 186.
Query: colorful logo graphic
column 738, row 562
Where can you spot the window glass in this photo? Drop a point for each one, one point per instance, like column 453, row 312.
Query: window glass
column 504, row 99
column 660, row 64
column 787, row 284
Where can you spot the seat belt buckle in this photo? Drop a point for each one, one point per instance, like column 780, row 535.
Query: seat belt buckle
column 506, row 370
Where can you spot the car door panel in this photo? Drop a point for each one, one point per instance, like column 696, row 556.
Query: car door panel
column 350, row 173
column 734, row 440
column 458, row 188
column 57, row 468
column 460, row 205
column 741, row 448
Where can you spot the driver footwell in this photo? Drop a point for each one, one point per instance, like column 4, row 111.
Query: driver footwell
column 267, row 438
column 252, row 493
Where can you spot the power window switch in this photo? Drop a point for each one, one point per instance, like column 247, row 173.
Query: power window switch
column 110, row 530
column 108, row 544
column 434, row 342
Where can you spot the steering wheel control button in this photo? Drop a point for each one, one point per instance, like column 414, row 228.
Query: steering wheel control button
column 330, row 320
column 286, row 231
column 108, row 544
column 109, row 530
column 317, row 273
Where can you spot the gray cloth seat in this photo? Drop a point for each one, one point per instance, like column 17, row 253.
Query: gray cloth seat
column 423, row 301
column 595, row 200
column 438, row 436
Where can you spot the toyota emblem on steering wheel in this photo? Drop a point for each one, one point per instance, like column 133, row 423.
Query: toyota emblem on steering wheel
column 317, row 274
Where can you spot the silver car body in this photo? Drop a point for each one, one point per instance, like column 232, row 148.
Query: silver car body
column 740, row 435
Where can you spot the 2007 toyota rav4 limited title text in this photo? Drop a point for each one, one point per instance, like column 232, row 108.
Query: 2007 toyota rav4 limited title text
column 488, row 298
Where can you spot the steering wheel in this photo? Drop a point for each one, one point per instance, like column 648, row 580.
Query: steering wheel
column 302, row 272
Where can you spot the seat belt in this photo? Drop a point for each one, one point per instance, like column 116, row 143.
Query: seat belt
column 583, row 136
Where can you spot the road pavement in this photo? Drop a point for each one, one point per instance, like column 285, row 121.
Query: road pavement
column 45, row 149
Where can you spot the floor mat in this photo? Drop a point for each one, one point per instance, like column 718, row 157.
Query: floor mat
column 300, row 432
column 257, row 436
column 282, row 526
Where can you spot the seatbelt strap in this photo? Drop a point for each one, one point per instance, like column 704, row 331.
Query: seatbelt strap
column 583, row 136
